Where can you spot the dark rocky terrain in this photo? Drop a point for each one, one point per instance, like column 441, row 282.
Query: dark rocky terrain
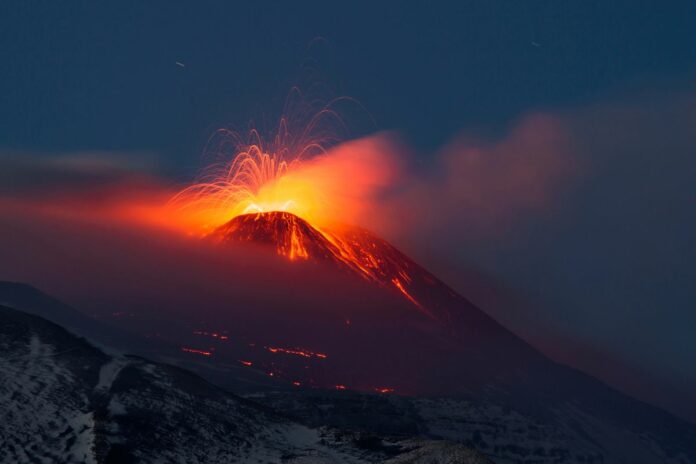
column 63, row 400
column 520, row 408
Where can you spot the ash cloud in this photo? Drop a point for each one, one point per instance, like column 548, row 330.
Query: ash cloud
column 475, row 188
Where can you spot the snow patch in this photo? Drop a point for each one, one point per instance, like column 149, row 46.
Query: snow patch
column 116, row 408
column 82, row 449
column 109, row 372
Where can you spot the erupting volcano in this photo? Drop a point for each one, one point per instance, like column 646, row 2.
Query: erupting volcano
column 296, row 194
column 300, row 207
column 302, row 196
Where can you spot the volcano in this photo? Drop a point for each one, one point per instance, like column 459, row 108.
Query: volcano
column 338, row 327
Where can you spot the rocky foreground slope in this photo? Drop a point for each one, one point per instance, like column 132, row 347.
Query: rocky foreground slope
column 63, row 400
column 552, row 416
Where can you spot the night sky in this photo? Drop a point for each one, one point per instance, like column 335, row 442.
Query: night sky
column 601, row 276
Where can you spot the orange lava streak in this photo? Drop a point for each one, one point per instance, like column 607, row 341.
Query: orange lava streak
column 297, row 249
column 195, row 351
column 297, row 352
column 397, row 283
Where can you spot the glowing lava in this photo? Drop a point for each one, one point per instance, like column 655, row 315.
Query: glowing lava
column 196, row 351
column 297, row 352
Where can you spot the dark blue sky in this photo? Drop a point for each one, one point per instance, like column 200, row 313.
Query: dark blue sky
column 83, row 76
column 88, row 75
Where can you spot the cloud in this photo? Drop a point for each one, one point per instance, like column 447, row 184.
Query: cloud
column 25, row 174
column 598, row 249
column 84, row 186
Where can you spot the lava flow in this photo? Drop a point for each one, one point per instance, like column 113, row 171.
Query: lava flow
column 297, row 352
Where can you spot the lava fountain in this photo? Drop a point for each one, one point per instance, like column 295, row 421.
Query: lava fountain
column 256, row 174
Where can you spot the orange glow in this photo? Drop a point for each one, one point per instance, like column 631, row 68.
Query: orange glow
column 340, row 387
column 384, row 390
column 304, row 174
column 195, row 351
column 246, row 363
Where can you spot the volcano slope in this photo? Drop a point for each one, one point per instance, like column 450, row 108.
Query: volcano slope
column 346, row 330
column 447, row 347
